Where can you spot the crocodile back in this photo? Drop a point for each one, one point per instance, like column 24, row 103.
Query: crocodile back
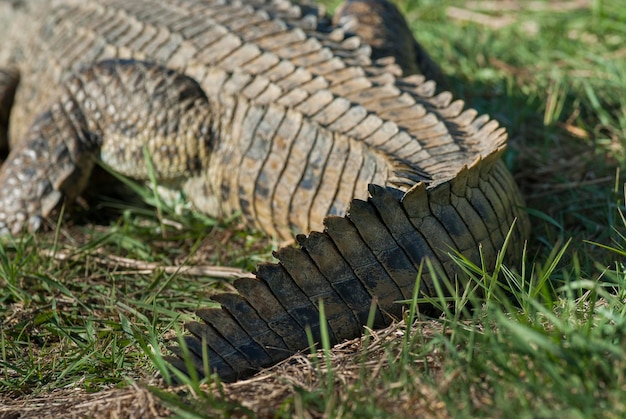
column 305, row 118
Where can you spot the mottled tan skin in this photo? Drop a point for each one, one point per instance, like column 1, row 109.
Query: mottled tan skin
column 272, row 111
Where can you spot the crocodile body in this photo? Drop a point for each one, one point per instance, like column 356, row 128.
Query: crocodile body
column 268, row 109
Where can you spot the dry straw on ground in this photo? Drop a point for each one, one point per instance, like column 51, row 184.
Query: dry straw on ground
column 264, row 394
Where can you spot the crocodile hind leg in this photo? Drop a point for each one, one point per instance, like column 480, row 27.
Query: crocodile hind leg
column 114, row 111
column 9, row 79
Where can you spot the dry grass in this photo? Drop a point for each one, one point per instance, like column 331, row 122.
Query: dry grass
column 268, row 390
column 129, row 402
column 264, row 394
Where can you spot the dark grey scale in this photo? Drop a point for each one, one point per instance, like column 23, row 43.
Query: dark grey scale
column 365, row 266
column 409, row 174
column 273, row 313
column 384, row 248
column 199, row 343
column 215, row 362
column 417, row 208
column 474, row 222
column 415, row 246
column 339, row 274
column 343, row 324
column 478, row 201
column 237, row 336
column 442, row 209
column 218, row 345
column 176, row 361
column 496, row 204
column 250, row 321
column 503, row 202
column 291, row 297
column 508, row 184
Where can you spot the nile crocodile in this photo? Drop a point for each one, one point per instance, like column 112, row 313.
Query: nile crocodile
column 273, row 110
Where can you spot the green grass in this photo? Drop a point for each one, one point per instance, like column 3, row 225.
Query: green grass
column 544, row 339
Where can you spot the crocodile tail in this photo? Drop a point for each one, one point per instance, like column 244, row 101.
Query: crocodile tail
column 368, row 259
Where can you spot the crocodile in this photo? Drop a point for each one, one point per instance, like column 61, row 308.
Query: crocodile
column 305, row 125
